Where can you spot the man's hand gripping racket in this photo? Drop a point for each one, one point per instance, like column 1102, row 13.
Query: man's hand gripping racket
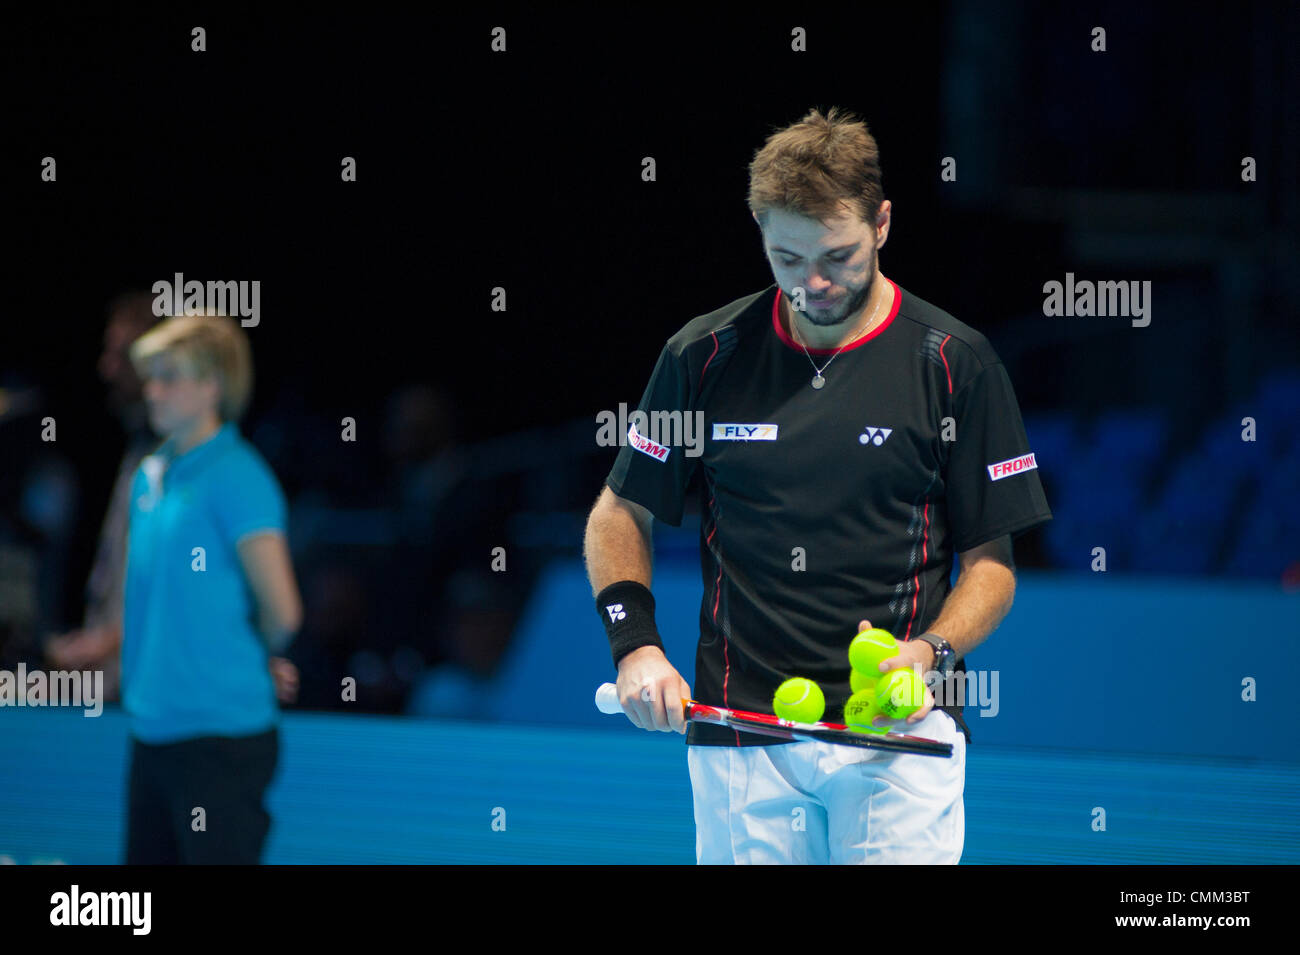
column 766, row 724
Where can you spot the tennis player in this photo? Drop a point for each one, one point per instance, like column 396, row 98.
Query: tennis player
column 856, row 440
column 209, row 595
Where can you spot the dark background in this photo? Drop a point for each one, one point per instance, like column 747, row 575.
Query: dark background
column 523, row 170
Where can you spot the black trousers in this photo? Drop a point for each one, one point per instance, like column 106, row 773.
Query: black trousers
column 227, row 777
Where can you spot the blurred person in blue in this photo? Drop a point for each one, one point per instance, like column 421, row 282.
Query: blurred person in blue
column 210, row 595
column 97, row 644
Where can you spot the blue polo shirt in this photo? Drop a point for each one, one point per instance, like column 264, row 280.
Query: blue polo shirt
column 193, row 663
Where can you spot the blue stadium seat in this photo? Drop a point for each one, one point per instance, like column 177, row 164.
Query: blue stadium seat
column 1102, row 490
column 1052, row 438
column 1276, row 410
column 1139, row 436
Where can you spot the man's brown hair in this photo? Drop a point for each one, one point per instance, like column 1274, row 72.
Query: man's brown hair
column 814, row 166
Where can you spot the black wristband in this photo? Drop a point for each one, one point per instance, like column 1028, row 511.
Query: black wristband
column 627, row 609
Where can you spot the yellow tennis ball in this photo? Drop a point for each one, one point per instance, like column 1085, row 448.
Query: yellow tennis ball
column 862, row 681
column 900, row 693
column 799, row 699
column 869, row 649
column 860, row 710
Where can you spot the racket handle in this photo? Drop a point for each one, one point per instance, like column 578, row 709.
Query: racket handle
column 607, row 698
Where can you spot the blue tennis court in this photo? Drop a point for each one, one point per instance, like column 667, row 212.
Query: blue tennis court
column 379, row 790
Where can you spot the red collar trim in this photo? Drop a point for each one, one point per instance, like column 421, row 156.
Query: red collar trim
column 785, row 337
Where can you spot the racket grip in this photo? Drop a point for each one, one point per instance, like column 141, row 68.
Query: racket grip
column 607, row 698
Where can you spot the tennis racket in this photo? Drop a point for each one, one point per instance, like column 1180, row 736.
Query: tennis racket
column 765, row 724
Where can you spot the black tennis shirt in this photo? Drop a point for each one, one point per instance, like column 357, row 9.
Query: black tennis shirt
column 821, row 508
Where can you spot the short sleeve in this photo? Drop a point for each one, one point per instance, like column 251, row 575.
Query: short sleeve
column 249, row 500
column 660, row 451
column 992, row 480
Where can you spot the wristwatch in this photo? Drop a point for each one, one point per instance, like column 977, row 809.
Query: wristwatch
column 945, row 660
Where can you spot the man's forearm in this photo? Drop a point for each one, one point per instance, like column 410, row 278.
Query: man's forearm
column 615, row 548
column 978, row 603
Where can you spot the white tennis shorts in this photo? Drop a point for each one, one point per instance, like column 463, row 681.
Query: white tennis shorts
column 813, row 803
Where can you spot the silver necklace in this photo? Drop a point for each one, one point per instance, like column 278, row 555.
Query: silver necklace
column 819, row 381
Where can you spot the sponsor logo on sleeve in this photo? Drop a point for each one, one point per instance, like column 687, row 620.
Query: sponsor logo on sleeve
column 645, row 445
column 1010, row 466
column 744, row 432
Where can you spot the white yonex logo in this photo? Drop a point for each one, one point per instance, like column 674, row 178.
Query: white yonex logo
column 616, row 612
column 875, row 436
